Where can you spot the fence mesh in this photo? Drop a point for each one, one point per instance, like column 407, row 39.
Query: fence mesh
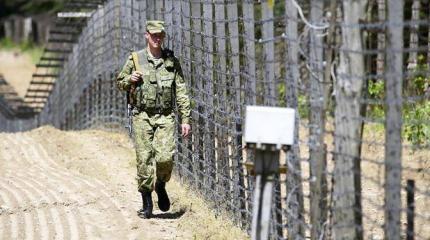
column 357, row 72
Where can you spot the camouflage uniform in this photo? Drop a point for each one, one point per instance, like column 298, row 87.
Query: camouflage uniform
column 153, row 100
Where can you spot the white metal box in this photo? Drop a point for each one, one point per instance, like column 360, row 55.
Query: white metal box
column 269, row 125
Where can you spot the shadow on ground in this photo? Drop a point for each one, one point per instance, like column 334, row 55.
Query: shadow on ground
column 170, row 215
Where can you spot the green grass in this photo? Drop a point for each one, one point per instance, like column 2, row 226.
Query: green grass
column 26, row 47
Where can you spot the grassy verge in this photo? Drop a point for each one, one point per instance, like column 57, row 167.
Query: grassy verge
column 27, row 47
column 199, row 219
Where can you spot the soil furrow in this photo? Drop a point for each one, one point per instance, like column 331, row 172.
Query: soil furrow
column 96, row 186
column 108, row 207
column 48, row 198
column 36, row 200
column 80, row 185
column 7, row 220
column 68, row 220
column 16, row 220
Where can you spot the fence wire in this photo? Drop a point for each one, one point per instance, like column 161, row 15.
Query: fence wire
column 357, row 72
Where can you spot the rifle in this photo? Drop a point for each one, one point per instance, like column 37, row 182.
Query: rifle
column 129, row 96
column 129, row 117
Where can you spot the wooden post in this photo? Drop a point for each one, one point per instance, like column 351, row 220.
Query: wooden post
column 209, row 140
column 269, row 53
column 159, row 9
column 221, row 81
column 393, row 119
column 142, row 23
column 250, row 84
column 186, row 67
column 197, row 82
column 294, row 187
column 168, row 18
column 317, row 155
column 249, row 32
column 177, row 38
column 413, row 38
column 235, row 110
column 150, row 9
column 329, row 55
column 351, row 73
column 380, row 60
column 410, row 203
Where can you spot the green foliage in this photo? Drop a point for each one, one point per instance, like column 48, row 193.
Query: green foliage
column 7, row 43
column 420, row 81
column 417, row 123
column 376, row 91
column 25, row 7
column 302, row 101
column 303, row 106
column 42, row 6
column 416, row 116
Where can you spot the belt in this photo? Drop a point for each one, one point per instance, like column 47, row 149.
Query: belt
column 153, row 111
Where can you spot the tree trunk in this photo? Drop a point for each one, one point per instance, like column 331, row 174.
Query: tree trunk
column 351, row 74
column 317, row 153
column 380, row 60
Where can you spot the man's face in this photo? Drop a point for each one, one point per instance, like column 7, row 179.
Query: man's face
column 155, row 40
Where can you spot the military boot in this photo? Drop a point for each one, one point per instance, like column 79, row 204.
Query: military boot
column 163, row 198
column 147, row 206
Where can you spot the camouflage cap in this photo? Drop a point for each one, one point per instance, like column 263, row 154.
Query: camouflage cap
column 155, row 26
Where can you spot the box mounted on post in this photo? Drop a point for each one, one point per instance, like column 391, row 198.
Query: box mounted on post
column 267, row 131
column 269, row 126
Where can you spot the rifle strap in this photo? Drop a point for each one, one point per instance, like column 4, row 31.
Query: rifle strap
column 136, row 61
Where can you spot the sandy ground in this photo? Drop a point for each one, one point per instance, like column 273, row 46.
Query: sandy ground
column 17, row 69
column 80, row 185
column 415, row 165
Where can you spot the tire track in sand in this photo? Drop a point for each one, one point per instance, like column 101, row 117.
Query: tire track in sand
column 49, row 203
column 79, row 206
column 95, row 184
column 59, row 213
column 87, row 188
column 39, row 204
column 116, row 217
column 11, row 226
column 19, row 212
column 16, row 213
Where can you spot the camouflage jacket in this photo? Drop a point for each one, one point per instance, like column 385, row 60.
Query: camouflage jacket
column 163, row 84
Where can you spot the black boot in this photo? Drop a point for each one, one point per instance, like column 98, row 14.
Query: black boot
column 147, row 206
column 163, row 198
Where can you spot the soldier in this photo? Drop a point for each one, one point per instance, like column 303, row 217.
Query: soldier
column 154, row 91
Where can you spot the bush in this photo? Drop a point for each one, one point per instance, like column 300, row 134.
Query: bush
column 416, row 115
column 417, row 124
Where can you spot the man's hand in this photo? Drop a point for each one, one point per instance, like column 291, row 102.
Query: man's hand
column 136, row 76
column 185, row 129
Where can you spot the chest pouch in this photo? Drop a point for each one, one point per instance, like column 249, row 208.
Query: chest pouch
column 148, row 92
column 167, row 90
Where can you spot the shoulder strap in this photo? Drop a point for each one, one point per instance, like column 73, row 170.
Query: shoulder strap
column 136, row 61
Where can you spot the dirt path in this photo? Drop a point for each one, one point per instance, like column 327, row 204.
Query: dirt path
column 56, row 185
column 17, row 68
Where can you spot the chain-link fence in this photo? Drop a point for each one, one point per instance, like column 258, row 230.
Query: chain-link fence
column 355, row 70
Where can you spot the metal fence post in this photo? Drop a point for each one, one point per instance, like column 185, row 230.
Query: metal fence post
column 266, row 141
column 266, row 166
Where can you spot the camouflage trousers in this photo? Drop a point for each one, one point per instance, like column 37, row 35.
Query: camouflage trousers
column 155, row 145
